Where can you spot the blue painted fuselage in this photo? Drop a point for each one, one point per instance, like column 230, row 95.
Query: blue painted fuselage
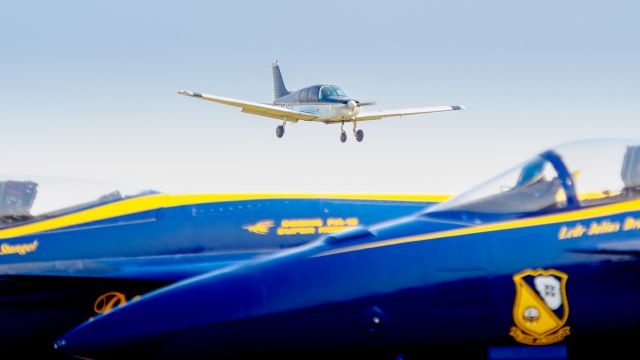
column 410, row 286
column 59, row 282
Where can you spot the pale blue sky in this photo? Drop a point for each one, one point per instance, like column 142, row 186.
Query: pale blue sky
column 89, row 89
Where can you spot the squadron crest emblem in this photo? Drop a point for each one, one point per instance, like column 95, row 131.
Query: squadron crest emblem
column 540, row 309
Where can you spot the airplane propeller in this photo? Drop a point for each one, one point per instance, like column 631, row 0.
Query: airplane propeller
column 353, row 104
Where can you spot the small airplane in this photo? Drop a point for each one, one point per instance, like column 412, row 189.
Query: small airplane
column 70, row 250
column 541, row 262
column 325, row 103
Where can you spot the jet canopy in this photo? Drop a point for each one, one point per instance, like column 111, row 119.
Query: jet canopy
column 327, row 91
column 28, row 198
column 575, row 175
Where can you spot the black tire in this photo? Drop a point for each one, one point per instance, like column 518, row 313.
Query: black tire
column 343, row 137
column 359, row 135
column 280, row 131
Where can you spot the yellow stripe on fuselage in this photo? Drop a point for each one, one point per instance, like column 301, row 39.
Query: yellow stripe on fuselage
column 582, row 214
column 151, row 202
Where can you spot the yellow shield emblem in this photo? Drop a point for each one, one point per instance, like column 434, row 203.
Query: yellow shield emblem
column 541, row 308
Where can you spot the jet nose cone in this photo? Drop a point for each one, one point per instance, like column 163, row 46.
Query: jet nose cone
column 74, row 345
column 85, row 341
column 149, row 325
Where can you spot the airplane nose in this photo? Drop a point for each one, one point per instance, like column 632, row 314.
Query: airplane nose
column 147, row 325
column 351, row 105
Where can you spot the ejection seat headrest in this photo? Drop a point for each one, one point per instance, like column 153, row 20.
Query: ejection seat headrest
column 631, row 167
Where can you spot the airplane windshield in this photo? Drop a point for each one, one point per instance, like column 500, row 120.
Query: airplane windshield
column 326, row 92
column 27, row 198
column 580, row 174
column 605, row 171
column 338, row 91
column 530, row 187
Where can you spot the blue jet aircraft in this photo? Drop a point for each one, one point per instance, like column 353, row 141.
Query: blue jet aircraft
column 71, row 250
column 540, row 262
column 325, row 103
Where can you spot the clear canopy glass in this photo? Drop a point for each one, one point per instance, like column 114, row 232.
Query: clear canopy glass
column 579, row 174
column 28, row 198
column 327, row 91
column 338, row 90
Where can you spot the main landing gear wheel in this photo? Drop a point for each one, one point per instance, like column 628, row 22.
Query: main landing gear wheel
column 359, row 135
column 343, row 136
column 280, row 131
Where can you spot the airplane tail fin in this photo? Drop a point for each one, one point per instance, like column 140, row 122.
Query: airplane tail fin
column 279, row 90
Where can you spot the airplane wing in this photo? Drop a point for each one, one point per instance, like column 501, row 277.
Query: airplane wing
column 377, row 115
column 255, row 108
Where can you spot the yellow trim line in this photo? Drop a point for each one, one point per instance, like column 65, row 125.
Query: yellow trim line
column 151, row 202
column 582, row 214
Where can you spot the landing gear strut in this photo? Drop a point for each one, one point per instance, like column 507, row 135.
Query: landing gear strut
column 357, row 132
column 280, row 130
column 343, row 134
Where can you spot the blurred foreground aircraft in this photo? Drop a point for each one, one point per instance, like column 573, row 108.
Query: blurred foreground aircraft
column 540, row 262
column 73, row 250
column 328, row 104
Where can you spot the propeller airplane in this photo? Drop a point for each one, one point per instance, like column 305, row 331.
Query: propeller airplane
column 324, row 103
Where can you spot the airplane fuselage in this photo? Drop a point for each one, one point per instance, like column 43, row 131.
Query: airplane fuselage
column 328, row 102
column 389, row 289
column 65, row 269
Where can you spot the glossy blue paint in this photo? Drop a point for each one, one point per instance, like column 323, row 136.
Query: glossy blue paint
column 427, row 293
column 46, row 292
column 416, row 285
column 199, row 228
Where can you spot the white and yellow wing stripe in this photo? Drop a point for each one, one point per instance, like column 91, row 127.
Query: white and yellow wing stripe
column 255, row 108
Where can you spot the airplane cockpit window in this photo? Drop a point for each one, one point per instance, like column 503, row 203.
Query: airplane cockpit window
column 327, row 92
column 532, row 187
column 605, row 171
column 580, row 174
column 338, row 90
column 304, row 94
column 27, row 198
column 313, row 94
